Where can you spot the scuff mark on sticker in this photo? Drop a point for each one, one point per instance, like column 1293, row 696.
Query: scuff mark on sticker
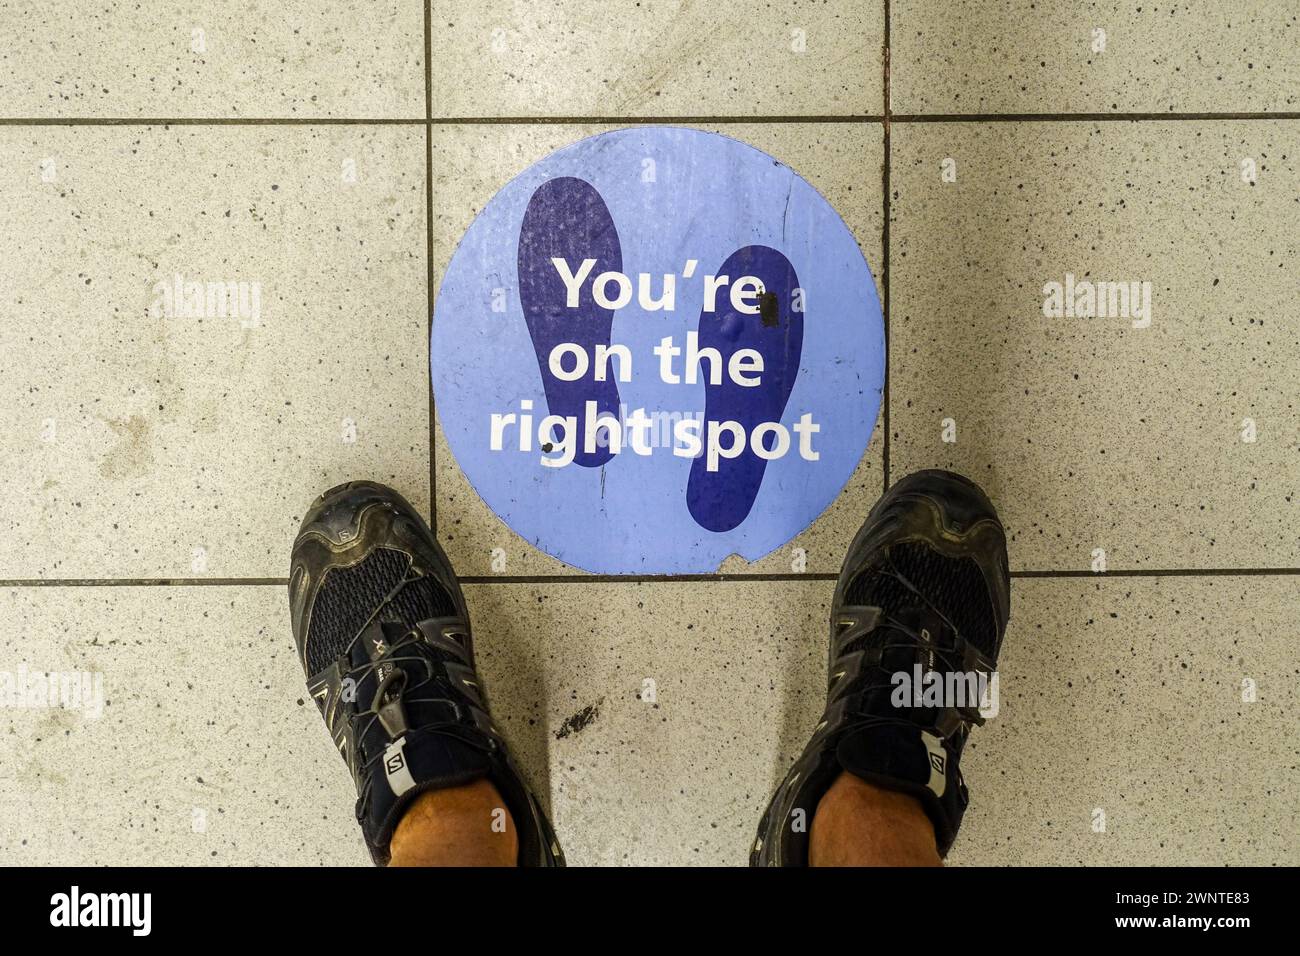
column 577, row 723
column 785, row 213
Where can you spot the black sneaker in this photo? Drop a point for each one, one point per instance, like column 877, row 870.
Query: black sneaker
column 925, row 583
column 384, row 638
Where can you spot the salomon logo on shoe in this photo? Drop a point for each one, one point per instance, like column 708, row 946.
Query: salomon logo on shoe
column 396, row 772
column 938, row 764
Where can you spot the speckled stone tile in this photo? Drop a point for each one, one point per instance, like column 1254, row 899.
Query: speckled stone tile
column 1090, row 433
column 142, row 442
column 1123, row 704
column 1061, row 56
column 657, row 58
column 472, row 162
column 738, row 672
column 1118, row 695
column 241, row 58
column 204, row 751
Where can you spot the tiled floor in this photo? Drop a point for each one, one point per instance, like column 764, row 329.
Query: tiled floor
column 155, row 466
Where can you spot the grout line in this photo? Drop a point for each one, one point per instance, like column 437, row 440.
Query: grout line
column 139, row 582
column 647, row 120
column 428, row 61
column 1163, row 573
column 202, row 121
column 884, row 250
column 428, row 255
column 634, row 120
column 827, row 576
column 1080, row 117
column 542, row 579
column 641, row 578
column 413, row 121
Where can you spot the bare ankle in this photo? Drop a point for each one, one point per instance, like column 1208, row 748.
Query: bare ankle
column 456, row 826
column 860, row 824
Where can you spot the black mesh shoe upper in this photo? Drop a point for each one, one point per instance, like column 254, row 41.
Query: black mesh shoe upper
column 912, row 574
column 384, row 639
column 349, row 596
column 923, row 597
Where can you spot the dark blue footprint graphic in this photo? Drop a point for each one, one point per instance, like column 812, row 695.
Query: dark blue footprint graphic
column 567, row 218
column 720, row 500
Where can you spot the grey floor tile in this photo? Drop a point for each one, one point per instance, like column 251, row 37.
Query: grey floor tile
column 204, row 752
column 1143, row 719
column 142, row 441
column 472, row 162
column 1122, row 703
column 246, row 58
column 738, row 673
column 1058, row 56
column 1114, row 697
column 657, row 58
column 1091, row 433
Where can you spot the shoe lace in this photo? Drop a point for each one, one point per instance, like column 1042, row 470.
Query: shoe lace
column 394, row 681
column 891, row 633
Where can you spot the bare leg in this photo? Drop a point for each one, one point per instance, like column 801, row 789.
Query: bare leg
column 859, row 824
column 458, row 826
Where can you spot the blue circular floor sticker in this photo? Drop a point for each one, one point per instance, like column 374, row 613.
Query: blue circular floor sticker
column 655, row 348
